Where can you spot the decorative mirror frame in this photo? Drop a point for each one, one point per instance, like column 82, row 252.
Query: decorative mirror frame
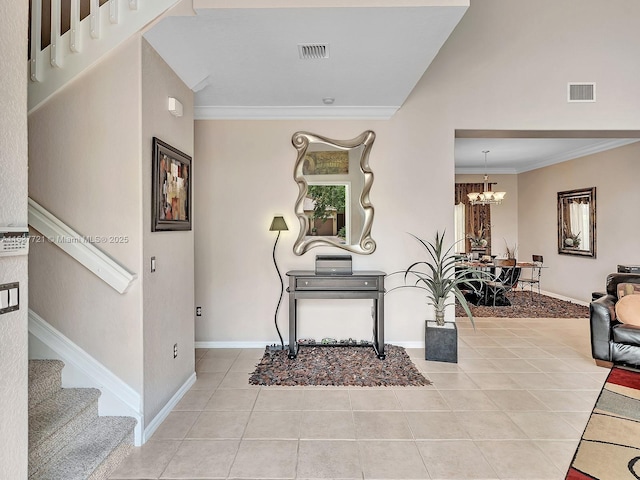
column 565, row 236
column 362, row 243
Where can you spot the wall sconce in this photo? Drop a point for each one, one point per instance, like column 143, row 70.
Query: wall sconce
column 175, row 107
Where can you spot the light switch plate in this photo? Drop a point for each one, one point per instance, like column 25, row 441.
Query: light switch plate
column 9, row 297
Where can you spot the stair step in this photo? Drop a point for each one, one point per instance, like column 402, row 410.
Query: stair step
column 57, row 420
column 45, row 378
column 94, row 453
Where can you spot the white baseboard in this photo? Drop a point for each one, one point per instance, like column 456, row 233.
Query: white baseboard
column 234, row 344
column 162, row 414
column 566, row 299
column 82, row 370
column 400, row 343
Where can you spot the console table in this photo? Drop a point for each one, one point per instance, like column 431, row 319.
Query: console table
column 360, row 285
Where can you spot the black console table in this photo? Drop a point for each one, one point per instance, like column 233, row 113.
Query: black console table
column 359, row 285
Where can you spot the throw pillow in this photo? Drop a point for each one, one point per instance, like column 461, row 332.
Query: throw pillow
column 628, row 309
column 627, row 289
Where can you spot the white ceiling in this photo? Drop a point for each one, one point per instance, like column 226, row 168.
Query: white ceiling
column 517, row 155
column 244, row 62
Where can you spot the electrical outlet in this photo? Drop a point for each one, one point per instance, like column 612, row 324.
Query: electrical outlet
column 198, row 311
column 175, row 350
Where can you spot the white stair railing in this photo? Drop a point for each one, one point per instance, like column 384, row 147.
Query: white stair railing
column 86, row 41
column 80, row 248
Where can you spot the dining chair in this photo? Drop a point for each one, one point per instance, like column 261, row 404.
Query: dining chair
column 536, row 272
column 505, row 281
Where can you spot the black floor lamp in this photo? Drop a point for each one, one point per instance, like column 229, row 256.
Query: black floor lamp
column 278, row 224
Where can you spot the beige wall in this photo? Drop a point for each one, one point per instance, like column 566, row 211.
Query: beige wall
column 168, row 292
column 614, row 174
column 84, row 161
column 93, row 170
column 13, row 198
column 478, row 81
column 504, row 217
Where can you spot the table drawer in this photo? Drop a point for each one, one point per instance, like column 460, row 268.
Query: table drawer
column 337, row 283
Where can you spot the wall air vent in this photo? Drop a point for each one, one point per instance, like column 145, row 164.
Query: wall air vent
column 312, row 51
column 581, row 92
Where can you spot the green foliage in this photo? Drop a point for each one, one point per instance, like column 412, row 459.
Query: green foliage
column 440, row 278
column 326, row 198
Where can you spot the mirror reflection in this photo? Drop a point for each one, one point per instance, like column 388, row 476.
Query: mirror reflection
column 334, row 181
column 577, row 222
column 327, row 208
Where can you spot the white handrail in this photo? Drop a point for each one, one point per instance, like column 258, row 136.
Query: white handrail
column 77, row 246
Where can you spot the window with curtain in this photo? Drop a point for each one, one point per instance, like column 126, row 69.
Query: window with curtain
column 579, row 216
column 459, row 228
column 476, row 217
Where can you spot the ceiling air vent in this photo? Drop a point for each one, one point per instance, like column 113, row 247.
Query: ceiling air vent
column 582, row 92
column 311, row 51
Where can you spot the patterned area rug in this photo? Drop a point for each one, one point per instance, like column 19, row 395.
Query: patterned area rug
column 529, row 305
column 610, row 444
column 338, row 366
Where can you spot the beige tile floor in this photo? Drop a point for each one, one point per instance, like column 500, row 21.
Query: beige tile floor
column 513, row 407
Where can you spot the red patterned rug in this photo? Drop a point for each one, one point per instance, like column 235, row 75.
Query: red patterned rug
column 610, row 444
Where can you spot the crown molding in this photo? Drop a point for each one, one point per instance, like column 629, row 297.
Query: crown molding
column 578, row 153
column 594, row 148
column 294, row 113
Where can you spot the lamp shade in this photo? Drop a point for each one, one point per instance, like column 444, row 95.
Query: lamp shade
column 278, row 224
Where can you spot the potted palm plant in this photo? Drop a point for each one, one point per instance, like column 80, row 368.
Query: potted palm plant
column 443, row 277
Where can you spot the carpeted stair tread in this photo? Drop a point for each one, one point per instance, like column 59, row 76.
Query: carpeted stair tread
column 57, row 420
column 45, row 379
column 94, row 453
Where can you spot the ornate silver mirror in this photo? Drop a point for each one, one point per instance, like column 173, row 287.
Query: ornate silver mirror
column 577, row 222
column 333, row 204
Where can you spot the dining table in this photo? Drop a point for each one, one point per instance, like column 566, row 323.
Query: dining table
column 482, row 298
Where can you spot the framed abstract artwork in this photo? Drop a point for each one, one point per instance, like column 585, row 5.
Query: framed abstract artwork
column 171, row 188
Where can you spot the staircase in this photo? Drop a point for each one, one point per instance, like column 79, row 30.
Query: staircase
column 69, row 36
column 67, row 438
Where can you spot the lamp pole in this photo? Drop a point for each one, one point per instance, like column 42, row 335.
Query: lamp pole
column 278, row 224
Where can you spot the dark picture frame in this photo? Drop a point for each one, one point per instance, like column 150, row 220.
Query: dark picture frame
column 171, row 188
column 577, row 222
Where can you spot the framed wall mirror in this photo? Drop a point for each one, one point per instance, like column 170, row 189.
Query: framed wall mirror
column 577, row 222
column 334, row 181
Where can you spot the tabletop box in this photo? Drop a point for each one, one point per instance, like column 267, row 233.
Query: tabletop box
column 628, row 268
column 333, row 265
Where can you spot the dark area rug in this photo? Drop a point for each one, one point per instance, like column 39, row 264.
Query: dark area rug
column 529, row 305
column 338, row 366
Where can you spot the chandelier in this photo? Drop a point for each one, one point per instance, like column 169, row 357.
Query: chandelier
column 486, row 197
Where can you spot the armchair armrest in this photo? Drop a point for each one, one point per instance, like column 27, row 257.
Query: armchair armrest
column 601, row 316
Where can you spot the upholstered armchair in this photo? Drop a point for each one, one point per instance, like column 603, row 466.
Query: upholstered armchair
column 615, row 321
